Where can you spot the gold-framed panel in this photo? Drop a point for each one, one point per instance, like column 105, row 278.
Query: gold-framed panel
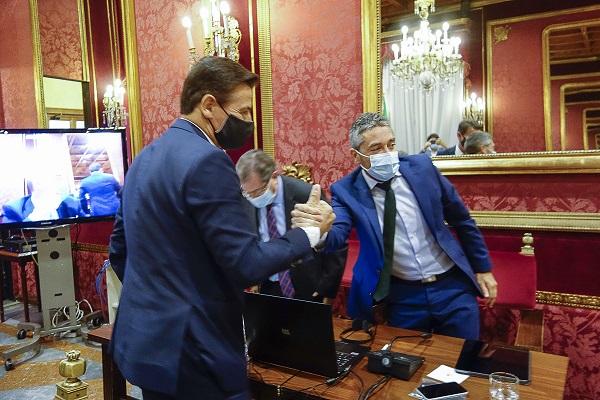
column 133, row 81
column 252, row 66
column 563, row 122
column 574, row 76
column 538, row 221
column 567, row 299
column 38, row 70
column 545, row 66
column 550, row 162
column 85, row 71
column 266, row 77
column 371, row 54
column 584, row 124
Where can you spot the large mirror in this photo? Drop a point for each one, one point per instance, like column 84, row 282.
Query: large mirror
column 526, row 111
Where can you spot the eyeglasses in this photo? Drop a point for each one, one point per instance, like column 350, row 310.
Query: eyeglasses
column 255, row 192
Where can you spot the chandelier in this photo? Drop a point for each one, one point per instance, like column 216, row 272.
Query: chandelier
column 474, row 109
column 431, row 58
column 114, row 114
column 221, row 32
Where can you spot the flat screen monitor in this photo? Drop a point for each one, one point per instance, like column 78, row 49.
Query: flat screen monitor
column 60, row 176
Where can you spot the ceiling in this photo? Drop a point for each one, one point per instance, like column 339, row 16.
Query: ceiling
column 576, row 44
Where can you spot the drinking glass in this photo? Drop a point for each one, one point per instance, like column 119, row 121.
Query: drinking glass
column 504, row 386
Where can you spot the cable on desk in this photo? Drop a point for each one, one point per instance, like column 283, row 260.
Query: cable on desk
column 374, row 388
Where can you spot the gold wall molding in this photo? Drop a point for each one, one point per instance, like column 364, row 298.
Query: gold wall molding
column 90, row 247
column 544, row 221
column 38, row 69
column 550, row 162
column 133, row 80
column 266, row 77
column 568, row 300
column 501, row 33
column 371, row 54
column 584, row 124
column 563, row 123
column 488, row 64
column 85, row 70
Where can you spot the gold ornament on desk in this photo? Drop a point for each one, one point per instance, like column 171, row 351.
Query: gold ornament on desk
column 221, row 33
column 72, row 368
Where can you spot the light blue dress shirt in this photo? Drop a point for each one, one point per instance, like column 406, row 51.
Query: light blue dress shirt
column 278, row 207
column 417, row 254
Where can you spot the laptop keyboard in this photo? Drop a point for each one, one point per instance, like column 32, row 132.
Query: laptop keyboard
column 342, row 359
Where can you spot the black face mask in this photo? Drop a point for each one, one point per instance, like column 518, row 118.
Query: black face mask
column 234, row 132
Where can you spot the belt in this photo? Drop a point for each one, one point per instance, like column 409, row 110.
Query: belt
column 425, row 281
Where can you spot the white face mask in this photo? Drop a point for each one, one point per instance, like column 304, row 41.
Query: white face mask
column 384, row 166
column 263, row 200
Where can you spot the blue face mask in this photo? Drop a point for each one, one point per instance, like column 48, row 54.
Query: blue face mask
column 384, row 166
column 263, row 200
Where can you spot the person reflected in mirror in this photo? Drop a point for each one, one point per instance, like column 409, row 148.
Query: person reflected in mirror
column 480, row 143
column 426, row 275
column 270, row 199
column 433, row 145
column 98, row 192
column 47, row 199
column 465, row 129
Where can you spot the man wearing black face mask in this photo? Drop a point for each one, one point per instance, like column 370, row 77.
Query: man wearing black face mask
column 190, row 249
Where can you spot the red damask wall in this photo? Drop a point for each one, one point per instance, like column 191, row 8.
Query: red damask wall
column 517, row 86
column 60, row 38
column 317, row 83
column 16, row 71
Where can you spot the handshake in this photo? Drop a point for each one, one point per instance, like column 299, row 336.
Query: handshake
column 315, row 212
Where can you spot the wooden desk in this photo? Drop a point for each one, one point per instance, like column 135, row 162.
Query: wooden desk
column 548, row 371
column 21, row 259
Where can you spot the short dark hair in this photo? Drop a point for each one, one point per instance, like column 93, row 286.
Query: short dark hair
column 464, row 125
column 218, row 76
column 433, row 135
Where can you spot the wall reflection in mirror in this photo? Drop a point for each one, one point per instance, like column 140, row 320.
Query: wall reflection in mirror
column 531, row 77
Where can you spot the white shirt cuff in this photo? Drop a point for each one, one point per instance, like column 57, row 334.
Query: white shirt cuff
column 313, row 234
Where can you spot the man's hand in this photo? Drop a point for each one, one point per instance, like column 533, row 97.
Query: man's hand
column 315, row 212
column 489, row 287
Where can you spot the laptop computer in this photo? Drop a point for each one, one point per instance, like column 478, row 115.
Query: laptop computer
column 296, row 334
column 481, row 359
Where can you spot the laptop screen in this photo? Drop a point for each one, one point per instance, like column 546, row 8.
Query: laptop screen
column 481, row 358
column 289, row 332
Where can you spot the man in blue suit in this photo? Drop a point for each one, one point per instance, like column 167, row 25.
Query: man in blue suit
column 190, row 249
column 98, row 192
column 409, row 260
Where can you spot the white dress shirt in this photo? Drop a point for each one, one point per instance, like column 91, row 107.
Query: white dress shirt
column 417, row 254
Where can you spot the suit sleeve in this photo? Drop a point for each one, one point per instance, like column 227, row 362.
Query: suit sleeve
column 458, row 217
column 337, row 238
column 117, row 250
column 212, row 194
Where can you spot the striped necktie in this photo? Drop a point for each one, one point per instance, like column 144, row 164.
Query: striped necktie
column 285, row 280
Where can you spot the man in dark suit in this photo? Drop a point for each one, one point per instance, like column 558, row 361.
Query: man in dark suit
column 269, row 201
column 409, row 260
column 190, row 248
column 465, row 129
column 98, row 192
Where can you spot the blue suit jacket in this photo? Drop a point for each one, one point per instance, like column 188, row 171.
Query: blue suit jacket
column 354, row 207
column 190, row 252
column 102, row 189
column 18, row 210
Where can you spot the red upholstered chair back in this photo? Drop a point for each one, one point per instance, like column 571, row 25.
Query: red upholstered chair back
column 516, row 275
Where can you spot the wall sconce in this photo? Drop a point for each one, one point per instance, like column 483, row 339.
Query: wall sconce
column 474, row 109
column 221, row 32
column 114, row 114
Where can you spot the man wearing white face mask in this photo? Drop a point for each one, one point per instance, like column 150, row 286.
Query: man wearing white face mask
column 409, row 261
column 270, row 200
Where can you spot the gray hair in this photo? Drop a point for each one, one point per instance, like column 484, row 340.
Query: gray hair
column 96, row 166
column 477, row 141
column 255, row 161
column 365, row 122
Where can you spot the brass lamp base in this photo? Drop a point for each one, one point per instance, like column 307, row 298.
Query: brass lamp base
column 78, row 392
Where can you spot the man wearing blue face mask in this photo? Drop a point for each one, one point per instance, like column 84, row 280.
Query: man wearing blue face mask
column 270, row 200
column 409, row 264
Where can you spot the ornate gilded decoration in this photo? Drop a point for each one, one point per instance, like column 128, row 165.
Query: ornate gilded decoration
column 371, row 56
column 567, row 299
column 544, row 221
column 527, row 248
column 501, row 33
column 266, row 80
column 71, row 368
column 38, row 74
column 90, row 247
column 298, row 171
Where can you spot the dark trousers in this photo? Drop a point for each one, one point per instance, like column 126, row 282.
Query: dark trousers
column 447, row 306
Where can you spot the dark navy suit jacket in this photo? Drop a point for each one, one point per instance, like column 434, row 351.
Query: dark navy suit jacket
column 447, row 152
column 102, row 189
column 18, row 210
column 438, row 200
column 191, row 251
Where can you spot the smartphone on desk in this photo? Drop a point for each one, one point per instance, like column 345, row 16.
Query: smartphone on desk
column 443, row 391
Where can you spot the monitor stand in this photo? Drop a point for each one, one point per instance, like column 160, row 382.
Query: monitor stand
column 57, row 290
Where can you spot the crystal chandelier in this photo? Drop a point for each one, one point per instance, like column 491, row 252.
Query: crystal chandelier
column 474, row 109
column 221, row 32
column 114, row 114
column 432, row 58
